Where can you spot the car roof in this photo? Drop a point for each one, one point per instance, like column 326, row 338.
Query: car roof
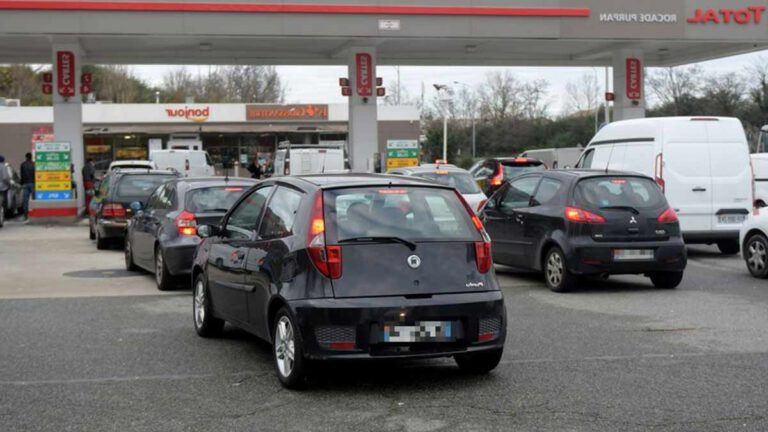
column 137, row 171
column 330, row 181
column 200, row 182
column 586, row 173
column 132, row 161
column 432, row 168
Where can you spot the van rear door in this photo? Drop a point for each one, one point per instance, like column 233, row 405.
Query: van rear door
column 686, row 170
column 731, row 175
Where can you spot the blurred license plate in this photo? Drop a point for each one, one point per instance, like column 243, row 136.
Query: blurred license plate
column 731, row 219
column 632, row 254
column 424, row 331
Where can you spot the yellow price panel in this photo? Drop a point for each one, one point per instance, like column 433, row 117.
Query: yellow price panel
column 401, row 162
column 53, row 186
column 53, row 176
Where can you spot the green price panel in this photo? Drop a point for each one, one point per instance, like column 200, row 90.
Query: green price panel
column 52, row 166
column 403, row 153
column 52, row 157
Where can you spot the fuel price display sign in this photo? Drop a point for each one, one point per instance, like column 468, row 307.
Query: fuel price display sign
column 53, row 178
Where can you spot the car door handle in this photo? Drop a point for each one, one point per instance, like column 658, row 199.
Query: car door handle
column 699, row 189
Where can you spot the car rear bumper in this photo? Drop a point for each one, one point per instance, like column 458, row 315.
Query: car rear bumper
column 693, row 237
column 111, row 228
column 359, row 323
column 591, row 258
column 179, row 257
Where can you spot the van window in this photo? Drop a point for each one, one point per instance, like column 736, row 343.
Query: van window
column 586, row 161
column 618, row 191
column 412, row 213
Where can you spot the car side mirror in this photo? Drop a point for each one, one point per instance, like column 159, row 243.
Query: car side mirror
column 205, row 231
column 136, row 206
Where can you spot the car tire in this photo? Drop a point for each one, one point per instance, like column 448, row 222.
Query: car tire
column 91, row 232
column 130, row 265
column 101, row 243
column 288, row 351
column 666, row 280
column 2, row 215
column 163, row 277
column 728, row 247
column 756, row 255
column 556, row 274
column 206, row 325
column 480, row 362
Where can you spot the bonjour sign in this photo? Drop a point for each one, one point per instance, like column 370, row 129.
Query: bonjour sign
column 286, row 112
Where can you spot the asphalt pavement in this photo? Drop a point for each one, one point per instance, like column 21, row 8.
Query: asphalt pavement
column 86, row 346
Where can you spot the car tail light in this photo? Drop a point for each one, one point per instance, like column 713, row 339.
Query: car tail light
column 498, row 179
column 658, row 171
column 326, row 258
column 483, row 257
column 112, row 210
column 667, row 216
column 582, row 216
column 186, row 165
column 186, row 223
column 521, row 160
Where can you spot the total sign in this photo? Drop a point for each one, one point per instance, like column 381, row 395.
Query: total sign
column 743, row 16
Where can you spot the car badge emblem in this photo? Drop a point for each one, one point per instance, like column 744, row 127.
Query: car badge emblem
column 633, row 220
column 414, row 261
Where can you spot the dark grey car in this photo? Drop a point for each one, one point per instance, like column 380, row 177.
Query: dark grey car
column 162, row 236
column 11, row 192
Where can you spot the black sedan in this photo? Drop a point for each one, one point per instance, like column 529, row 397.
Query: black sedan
column 352, row 267
column 162, row 236
column 110, row 208
column 579, row 223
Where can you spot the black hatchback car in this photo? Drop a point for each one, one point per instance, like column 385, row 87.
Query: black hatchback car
column 352, row 267
column 579, row 223
column 162, row 236
column 110, row 207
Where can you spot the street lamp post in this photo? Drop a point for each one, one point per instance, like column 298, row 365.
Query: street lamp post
column 445, row 99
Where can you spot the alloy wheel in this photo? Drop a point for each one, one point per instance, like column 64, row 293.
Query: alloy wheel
column 757, row 256
column 284, row 346
column 555, row 269
column 159, row 267
column 199, row 303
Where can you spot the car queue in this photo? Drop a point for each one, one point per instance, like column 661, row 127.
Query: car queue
column 289, row 259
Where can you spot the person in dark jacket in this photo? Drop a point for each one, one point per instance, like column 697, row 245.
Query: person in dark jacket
column 89, row 177
column 27, row 173
column 254, row 168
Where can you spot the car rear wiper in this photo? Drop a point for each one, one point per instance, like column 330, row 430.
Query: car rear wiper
column 215, row 210
column 630, row 208
column 411, row 245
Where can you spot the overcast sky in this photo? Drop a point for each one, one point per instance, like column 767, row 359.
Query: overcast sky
column 319, row 84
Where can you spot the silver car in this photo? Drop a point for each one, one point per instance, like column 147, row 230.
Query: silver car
column 449, row 175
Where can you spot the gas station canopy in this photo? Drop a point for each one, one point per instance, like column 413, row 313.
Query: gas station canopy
column 404, row 32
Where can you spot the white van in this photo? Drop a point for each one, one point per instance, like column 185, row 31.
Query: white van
column 701, row 163
column 760, row 168
column 554, row 158
column 303, row 159
column 189, row 163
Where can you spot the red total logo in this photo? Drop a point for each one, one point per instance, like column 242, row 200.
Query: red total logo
column 743, row 16
column 197, row 115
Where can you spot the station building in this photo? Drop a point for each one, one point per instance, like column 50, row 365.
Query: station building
column 236, row 131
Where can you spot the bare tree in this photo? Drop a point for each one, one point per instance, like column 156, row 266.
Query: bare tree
column 533, row 99
column 724, row 94
column 582, row 94
column 675, row 86
column 499, row 97
column 178, row 84
column 253, row 84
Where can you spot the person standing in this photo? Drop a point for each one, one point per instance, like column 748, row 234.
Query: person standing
column 27, row 173
column 254, row 168
column 89, row 177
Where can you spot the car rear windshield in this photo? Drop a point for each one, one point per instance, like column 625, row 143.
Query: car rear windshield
column 612, row 192
column 410, row 213
column 140, row 186
column 514, row 169
column 463, row 182
column 213, row 199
